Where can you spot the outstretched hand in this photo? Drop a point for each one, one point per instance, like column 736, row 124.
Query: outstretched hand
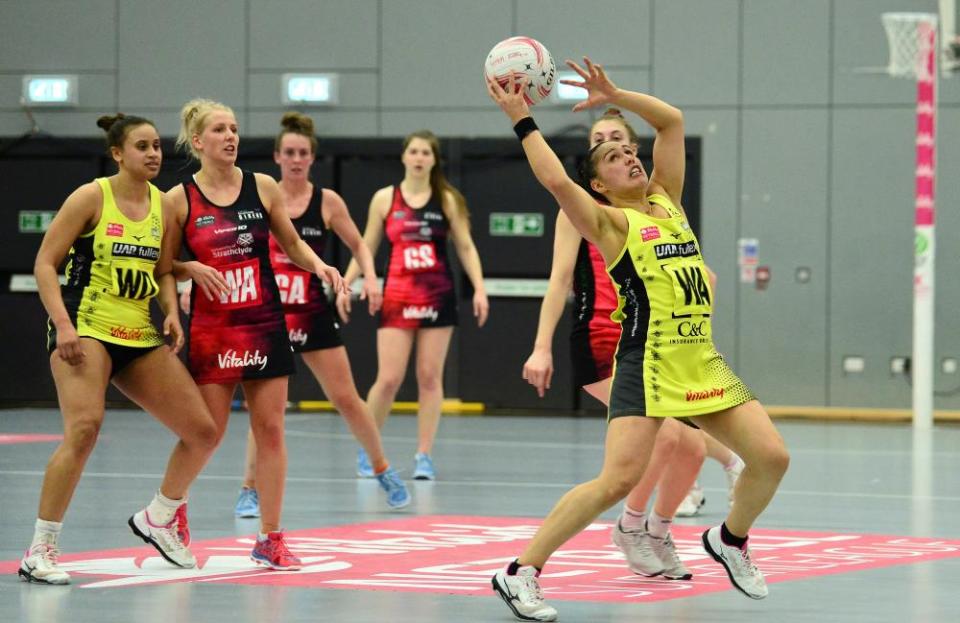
column 511, row 101
column 600, row 89
column 332, row 277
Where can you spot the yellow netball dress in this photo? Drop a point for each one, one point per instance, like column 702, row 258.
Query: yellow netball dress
column 666, row 363
column 110, row 278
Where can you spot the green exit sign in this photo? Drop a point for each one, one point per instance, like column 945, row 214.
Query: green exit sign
column 35, row 221
column 516, row 224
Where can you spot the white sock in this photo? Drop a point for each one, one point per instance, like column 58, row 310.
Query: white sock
column 733, row 462
column 46, row 531
column 658, row 526
column 162, row 509
column 632, row 520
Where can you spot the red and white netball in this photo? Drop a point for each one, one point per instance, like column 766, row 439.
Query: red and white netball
column 523, row 56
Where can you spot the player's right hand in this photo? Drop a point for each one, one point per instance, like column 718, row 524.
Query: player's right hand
column 208, row 278
column 343, row 306
column 538, row 370
column 68, row 345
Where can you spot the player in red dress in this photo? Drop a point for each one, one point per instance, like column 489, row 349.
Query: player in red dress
column 237, row 331
column 311, row 321
column 419, row 301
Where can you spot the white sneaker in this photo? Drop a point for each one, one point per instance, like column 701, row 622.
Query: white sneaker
column 170, row 539
column 666, row 551
column 743, row 573
column 39, row 564
column 692, row 503
column 733, row 474
column 523, row 595
column 638, row 549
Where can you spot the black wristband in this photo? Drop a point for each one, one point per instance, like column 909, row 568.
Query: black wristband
column 524, row 126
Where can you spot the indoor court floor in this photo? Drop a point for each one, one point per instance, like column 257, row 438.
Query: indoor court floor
column 866, row 527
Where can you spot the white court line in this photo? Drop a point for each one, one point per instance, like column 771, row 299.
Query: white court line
column 500, row 484
column 566, row 445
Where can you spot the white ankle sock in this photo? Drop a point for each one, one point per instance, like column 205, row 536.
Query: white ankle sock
column 162, row 509
column 733, row 462
column 46, row 531
column 658, row 526
column 632, row 520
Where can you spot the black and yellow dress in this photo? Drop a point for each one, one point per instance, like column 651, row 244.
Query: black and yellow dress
column 666, row 364
column 110, row 279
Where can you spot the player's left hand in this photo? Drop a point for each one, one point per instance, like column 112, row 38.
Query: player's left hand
column 372, row 293
column 481, row 307
column 174, row 332
column 600, row 89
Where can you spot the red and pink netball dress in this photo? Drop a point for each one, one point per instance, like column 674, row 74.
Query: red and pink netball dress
column 593, row 340
column 311, row 323
column 418, row 292
column 240, row 335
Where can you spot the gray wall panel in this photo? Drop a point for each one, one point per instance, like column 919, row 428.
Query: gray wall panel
column 97, row 91
column 719, row 214
column 783, row 328
column 192, row 48
column 785, row 52
column 357, row 90
column 44, row 35
column 948, row 261
column 696, row 51
column 433, row 53
column 307, row 34
column 871, row 253
column 860, row 42
column 57, row 123
column 327, row 123
column 614, row 32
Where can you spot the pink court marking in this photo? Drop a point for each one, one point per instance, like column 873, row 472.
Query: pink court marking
column 458, row 554
column 12, row 439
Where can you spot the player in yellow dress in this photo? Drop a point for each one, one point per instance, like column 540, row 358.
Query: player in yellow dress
column 666, row 364
column 116, row 230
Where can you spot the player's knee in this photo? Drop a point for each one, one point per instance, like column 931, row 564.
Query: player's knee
column 618, row 486
column 429, row 379
column 692, row 446
column 389, row 383
column 268, row 435
column 667, row 441
column 81, row 436
column 347, row 402
column 205, row 434
column 774, row 459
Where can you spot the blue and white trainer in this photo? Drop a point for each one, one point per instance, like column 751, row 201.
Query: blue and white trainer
column 423, row 467
column 364, row 468
column 248, row 503
column 397, row 494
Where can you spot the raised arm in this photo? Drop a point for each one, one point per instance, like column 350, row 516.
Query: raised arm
column 669, row 152
column 467, row 252
column 372, row 235
column 283, row 230
column 338, row 219
column 602, row 226
column 538, row 369
column 78, row 215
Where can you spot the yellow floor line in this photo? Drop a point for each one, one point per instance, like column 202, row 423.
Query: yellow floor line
column 856, row 413
column 453, row 406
